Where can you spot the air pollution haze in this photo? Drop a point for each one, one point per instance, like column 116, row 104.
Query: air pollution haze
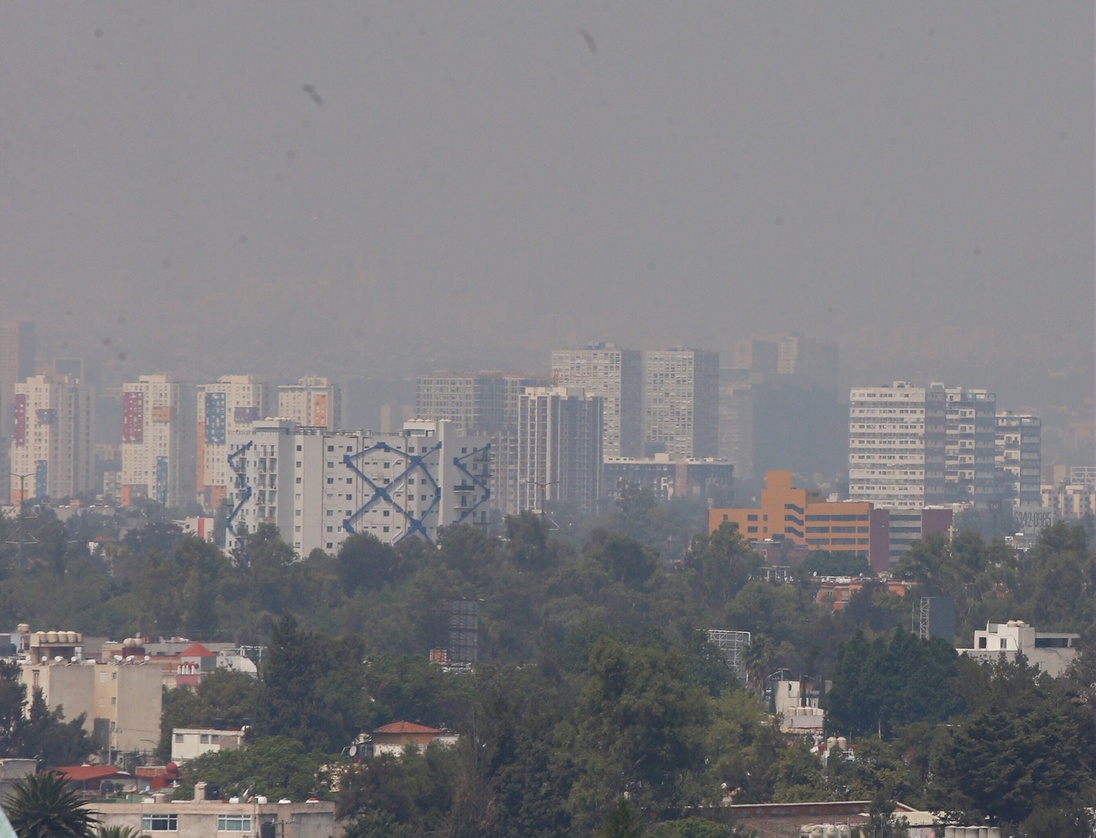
column 365, row 190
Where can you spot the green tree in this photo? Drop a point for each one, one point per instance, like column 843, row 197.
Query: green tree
column 623, row 821
column 719, row 565
column 273, row 766
column 46, row 736
column 46, row 806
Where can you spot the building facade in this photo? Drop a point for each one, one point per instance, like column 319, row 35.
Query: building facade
column 16, row 365
column 225, row 407
column 1018, row 457
column 320, row 487
column 313, row 401
column 970, row 446
column 897, row 445
column 157, row 453
column 614, row 375
column 51, row 452
column 803, row 516
column 709, row 478
column 558, row 448
column 482, row 404
column 681, row 402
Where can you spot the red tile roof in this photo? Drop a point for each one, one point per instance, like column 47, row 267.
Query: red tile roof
column 83, row 773
column 406, row 727
column 197, row 651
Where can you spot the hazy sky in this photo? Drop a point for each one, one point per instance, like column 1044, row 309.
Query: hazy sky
column 350, row 187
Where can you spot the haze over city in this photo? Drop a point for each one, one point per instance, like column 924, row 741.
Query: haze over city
column 380, row 191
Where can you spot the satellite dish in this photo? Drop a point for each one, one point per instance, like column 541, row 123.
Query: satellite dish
column 353, row 750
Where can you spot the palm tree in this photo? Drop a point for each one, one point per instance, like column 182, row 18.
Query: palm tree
column 46, row 806
column 118, row 832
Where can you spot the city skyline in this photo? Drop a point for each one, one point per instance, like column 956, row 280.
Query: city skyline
column 360, row 193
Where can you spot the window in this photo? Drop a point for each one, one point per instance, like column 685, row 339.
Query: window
column 160, row 823
column 233, row 823
column 178, row 738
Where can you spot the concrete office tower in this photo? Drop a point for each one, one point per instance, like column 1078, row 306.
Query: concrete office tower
column 157, row 442
column 478, row 404
column 615, row 375
column 811, row 363
column 228, row 406
column 51, row 443
column 736, row 421
column 969, row 451
column 319, row 487
column 681, row 402
column 897, row 444
column 16, row 364
column 313, row 401
column 558, row 448
column 1019, row 457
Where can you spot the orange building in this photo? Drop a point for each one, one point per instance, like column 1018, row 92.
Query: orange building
column 803, row 517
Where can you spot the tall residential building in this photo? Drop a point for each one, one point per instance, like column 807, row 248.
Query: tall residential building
column 1019, row 457
column 157, row 442
column 482, row 403
column 51, row 445
column 319, row 487
column 558, row 448
column 313, row 401
column 681, row 402
column 897, row 445
column 228, row 406
column 969, row 452
column 616, row 376
column 16, row 364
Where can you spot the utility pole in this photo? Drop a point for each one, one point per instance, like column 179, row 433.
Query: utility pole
column 21, row 522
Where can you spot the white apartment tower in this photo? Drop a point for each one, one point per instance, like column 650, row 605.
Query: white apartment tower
column 319, row 487
column 313, row 402
column 897, row 445
column 155, row 433
column 969, row 452
column 559, row 454
column 681, row 402
column 51, row 450
column 228, row 406
column 615, row 375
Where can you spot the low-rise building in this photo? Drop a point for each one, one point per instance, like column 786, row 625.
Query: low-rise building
column 393, row 738
column 834, row 592
column 188, row 743
column 200, row 818
column 805, row 517
column 1052, row 652
column 668, row 477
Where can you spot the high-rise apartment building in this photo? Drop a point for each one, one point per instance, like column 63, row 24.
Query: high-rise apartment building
column 228, row 406
column 16, row 364
column 559, row 455
column 157, row 442
column 897, row 445
column 319, row 487
column 313, row 402
column 681, row 402
column 969, row 450
column 52, row 444
column 482, row 403
column 614, row 375
column 1019, row 457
